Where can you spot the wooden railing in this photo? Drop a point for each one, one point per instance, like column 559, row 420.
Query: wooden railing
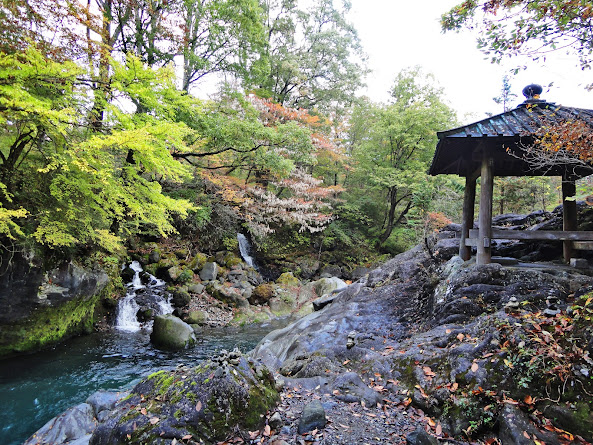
column 582, row 240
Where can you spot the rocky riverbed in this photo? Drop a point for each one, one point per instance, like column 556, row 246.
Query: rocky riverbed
column 417, row 351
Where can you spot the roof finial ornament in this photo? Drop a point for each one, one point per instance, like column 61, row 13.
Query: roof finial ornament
column 532, row 92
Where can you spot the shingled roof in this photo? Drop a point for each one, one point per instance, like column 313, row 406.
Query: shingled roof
column 459, row 150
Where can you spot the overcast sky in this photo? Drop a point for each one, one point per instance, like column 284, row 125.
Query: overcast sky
column 398, row 34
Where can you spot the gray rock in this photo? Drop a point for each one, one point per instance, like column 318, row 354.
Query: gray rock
column 446, row 249
column 173, row 273
column 170, row 332
column 326, row 286
column 209, row 272
column 154, row 257
column 196, row 288
column 197, row 317
column 350, row 388
column 514, row 425
column 360, row 272
column 321, row 302
column 275, row 421
column 421, row 437
column 74, row 424
column 104, row 400
column 579, row 263
column 313, row 417
column 331, row 271
column 230, row 295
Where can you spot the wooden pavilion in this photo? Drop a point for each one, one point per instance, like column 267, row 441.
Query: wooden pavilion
column 496, row 146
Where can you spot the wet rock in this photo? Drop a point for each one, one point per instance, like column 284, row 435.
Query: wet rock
column 313, row 417
column 170, row 332
column 306, row 366
column 360, row 272
column 74, row 424
column 209, row 272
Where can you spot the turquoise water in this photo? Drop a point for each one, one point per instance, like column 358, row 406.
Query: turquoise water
column 37, row 387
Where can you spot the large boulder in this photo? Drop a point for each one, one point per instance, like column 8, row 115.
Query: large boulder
column 41, row 307
column 170, row 332
column 326, row 286
column 206, row 403
column 209, row 272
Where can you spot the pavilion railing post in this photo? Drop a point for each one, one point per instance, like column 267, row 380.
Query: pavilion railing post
column 569, row 214
column 469, row 202
column 484, row 255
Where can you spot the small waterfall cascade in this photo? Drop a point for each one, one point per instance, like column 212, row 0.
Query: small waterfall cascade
column 139, row 296
column 245, row 249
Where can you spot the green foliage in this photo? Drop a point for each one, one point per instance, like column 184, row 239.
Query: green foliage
column 392, row 146
column 87, row 188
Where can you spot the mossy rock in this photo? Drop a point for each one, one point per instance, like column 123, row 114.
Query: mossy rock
column 198, row 262
column 262, row 293
column 208, row 402
column 287, row 279
column 196, row 317
column 170, row 332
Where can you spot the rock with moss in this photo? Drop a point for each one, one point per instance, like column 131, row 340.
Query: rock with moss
column 287, row 279
column 41, row 308
column 196, row 317
column 197, row 262
column 262, row 294
column 229, row 295
column 208, row 403
column 172, row 333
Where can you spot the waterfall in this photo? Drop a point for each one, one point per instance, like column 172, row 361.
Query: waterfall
column 245, row 249
column 138, row 295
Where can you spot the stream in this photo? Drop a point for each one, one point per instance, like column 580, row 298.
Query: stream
column 35, row 388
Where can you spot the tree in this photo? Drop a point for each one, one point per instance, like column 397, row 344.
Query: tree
column 86, row 188
column 395, row 144
column 527, row 27
column 316, row 59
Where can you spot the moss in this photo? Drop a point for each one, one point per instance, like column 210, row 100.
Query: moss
column 48, row 326
column 287, row 279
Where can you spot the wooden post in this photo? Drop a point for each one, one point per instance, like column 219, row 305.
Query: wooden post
column 485, row 216
column 569, row 214
column 469, row 202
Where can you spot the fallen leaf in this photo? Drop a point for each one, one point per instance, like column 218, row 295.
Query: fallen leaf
column 454, row 387
column 174, row 441
column 529, row 400
column 438, row 430
column 154, row 420
column 199, row 406
column 460, row 336
column 526, row 435
column 431, row 422
column 345, row 362
column 267, row 430
column 447, row 331
column 187, row 437
column 475, row 367
column 253, row 434
column 428, row 372
column 143, row 411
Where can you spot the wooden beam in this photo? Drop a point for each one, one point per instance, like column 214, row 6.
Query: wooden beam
column 569, row 214
column 469, row 202
column 548, row 235
column 582, row 245
column 485, row 216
